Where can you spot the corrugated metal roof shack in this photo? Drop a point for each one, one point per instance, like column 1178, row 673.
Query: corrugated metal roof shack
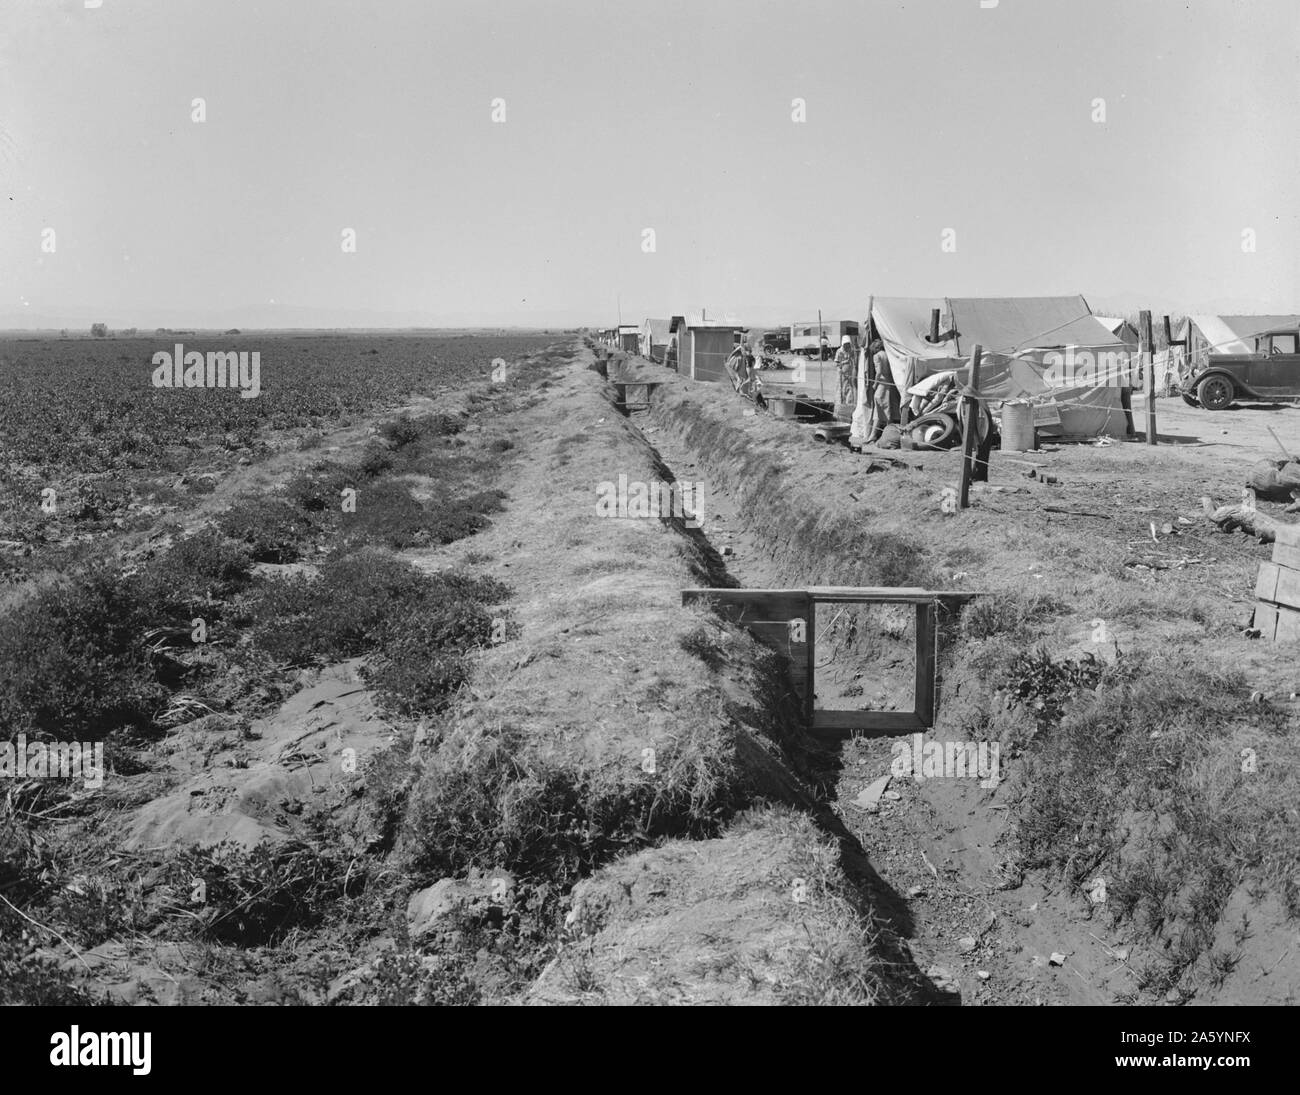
column 629, row 338
column 703, row 348
column 654, row 339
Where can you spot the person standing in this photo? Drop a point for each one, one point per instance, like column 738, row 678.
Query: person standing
column 845, row 363
column 884, row 393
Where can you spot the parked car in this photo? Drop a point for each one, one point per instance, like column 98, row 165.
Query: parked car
column 1270, row 373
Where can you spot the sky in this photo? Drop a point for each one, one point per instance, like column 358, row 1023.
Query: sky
column 786, row 157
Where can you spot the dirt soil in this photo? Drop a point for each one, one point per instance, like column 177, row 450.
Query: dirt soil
column 1125, row 508
column 602, row 671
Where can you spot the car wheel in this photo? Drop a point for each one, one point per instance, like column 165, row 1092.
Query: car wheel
column 1190, row 399
column 1215, row 393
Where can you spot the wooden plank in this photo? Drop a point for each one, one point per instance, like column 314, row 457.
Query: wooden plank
column 1266, row 620
column 1288, row 587
column 883, row 722
column 1287, row 555
column 1047, row 414
column 1288, row 534
column 1288, row 625
column 810, row 667
column 902, row 595
column 839, row 594
column 1148, row 373
column 927, row 653
column 867, row 594
column 1266, row 583
column 772, row 600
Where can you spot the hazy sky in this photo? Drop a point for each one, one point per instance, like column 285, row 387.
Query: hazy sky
column 323, row 115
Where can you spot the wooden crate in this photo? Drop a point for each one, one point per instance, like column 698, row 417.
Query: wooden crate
column 1286, row 548
column 635, row 394
column 1266, row 620
column 1288, row 625
column 1277, row 589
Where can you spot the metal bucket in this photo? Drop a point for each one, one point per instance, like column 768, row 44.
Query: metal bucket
column 1018, row 427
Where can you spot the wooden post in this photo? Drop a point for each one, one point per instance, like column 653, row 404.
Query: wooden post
column 866, row 344
column 970, row 428
column 1148, row 373
column 927, row 644
column 821, row 373
column 934, row 325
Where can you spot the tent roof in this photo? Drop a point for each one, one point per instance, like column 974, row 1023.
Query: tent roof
column 1228, row 334
column 998, row 324
column 659, row 329
column 696, row 319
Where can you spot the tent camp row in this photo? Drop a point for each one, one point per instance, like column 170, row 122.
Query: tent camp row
column 1052, row 352
column 626, row 336
column 1048, row 351
column 695, row 344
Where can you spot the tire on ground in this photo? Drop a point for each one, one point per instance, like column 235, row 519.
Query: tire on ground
column 934, row 431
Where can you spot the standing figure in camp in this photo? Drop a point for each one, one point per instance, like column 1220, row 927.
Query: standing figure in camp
column 844, row 361
column 741, row 367
column 884, row 391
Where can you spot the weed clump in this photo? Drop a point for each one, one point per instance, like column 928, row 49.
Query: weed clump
column 496, row 798
column 73, row 664
column 273, row 529
column 418, row 627
column 1121, row 782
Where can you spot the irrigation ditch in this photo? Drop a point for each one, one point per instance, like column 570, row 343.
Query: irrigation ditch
column 937, row 858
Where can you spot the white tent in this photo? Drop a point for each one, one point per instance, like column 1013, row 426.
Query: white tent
column 1051, row 351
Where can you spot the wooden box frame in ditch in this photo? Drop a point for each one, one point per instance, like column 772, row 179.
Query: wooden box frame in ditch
column 774, row 616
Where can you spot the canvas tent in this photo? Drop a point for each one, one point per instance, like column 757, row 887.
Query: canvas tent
column 1051, row 351
column 1122, row 329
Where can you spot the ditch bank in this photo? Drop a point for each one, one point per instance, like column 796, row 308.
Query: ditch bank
column 659, row 735
column 1035, row 889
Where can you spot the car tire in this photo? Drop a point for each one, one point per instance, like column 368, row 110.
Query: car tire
column 1215, row 393
column 934, row 431
column 1190, row 399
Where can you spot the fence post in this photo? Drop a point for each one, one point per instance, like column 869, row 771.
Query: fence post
column 1148, row 372
column 970, row 427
